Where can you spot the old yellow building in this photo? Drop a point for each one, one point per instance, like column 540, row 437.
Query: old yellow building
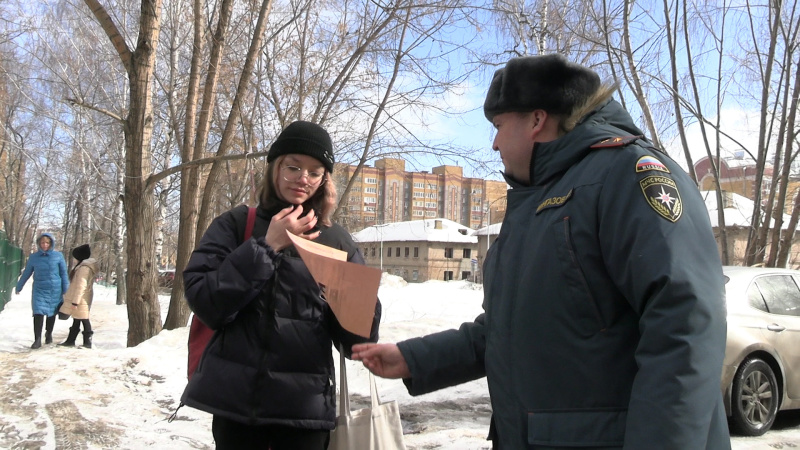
column 421, row 250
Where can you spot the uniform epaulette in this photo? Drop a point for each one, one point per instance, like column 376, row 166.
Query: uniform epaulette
column 619, row 141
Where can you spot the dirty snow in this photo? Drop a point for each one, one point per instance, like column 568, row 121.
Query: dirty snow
column 115, row 397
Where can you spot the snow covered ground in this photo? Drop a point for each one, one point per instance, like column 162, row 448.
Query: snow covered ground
column 114, row 397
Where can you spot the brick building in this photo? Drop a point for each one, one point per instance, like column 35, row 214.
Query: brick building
column 388, row 193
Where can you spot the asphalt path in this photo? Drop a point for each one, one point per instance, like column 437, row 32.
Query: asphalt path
column 785, row 434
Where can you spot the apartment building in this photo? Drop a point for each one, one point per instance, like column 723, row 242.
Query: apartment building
column 387, row 193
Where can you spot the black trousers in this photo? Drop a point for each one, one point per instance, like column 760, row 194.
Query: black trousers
column 76, row 324
column 39, row 320
column 230, row 435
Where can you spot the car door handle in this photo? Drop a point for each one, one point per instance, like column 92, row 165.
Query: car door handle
column 775, row 327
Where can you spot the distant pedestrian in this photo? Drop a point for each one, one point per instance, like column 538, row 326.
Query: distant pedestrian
column 50, row 282
column 78, row 299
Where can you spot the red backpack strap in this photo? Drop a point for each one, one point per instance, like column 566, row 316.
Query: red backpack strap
column 251, row 221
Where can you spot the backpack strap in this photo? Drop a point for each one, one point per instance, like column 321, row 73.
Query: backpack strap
column 251, row 221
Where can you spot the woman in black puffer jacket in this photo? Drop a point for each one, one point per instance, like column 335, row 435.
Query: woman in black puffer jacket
column 267, row 375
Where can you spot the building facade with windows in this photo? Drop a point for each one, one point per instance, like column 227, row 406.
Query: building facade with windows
column 387, row 193
column 421, row 250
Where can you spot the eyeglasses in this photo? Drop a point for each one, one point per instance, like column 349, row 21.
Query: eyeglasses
column 293, row 174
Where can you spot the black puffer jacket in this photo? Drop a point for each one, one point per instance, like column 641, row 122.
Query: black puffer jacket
column 270, row 360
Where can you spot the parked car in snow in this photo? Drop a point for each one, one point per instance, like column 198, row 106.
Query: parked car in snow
column 166, row 278
column 761, row 372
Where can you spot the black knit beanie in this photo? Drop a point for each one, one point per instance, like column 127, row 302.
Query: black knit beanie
column 81, row 252
column 305, row 138
column 547, row 82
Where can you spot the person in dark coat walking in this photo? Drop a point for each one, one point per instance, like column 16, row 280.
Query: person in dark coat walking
column 604, row 316
column 50, row 282
column 267, row 375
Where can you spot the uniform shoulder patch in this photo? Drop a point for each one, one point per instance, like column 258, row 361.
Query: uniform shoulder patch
column 646, row 163
column 619, row 141
column 662, row 195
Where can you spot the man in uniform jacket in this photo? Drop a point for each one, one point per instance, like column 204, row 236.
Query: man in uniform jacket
column 604, row 318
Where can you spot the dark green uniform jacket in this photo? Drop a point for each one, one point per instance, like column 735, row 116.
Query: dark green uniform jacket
column 604, row 322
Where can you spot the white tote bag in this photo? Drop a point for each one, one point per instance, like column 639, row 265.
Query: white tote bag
column 374, row 428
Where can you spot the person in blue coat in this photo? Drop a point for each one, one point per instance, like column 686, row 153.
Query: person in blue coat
column 50, row 282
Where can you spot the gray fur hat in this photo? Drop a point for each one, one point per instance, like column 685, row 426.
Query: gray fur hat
column 547, row 82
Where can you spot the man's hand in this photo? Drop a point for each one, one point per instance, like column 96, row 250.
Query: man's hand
column 384, row 360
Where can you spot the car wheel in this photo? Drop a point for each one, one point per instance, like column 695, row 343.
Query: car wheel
column 754, row 398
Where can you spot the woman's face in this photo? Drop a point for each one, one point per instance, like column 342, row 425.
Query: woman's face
column 44, row 243
column 298, row 178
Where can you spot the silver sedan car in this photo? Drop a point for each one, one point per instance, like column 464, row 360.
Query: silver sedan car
column 761, row 372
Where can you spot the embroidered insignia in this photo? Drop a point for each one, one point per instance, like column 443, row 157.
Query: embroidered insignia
column 619, row 141
column 646, row 163
column 662, row 195
column 553, row 202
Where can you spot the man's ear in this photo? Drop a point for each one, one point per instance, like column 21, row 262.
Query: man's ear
column 538, row 118
column 544, row 128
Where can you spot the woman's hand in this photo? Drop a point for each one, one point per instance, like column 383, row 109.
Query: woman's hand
column 384, row 360
column 288, row 219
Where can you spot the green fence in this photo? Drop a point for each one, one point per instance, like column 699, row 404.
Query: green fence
column 10, row 267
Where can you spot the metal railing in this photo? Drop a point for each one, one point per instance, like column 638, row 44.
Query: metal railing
column 10, row 268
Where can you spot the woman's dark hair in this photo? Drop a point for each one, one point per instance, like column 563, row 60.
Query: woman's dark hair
column 323, row 201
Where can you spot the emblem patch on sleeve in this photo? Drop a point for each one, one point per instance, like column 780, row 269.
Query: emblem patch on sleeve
column 662, row 195
column 646, row 163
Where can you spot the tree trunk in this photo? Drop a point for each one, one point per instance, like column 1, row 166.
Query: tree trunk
column 195, row 138
column 204, row 217
column 144, row 312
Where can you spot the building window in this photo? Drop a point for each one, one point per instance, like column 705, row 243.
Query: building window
column 448, row 275
column 467, row 253
column 416, row 252
column 389, row 251
column 397, row 252
column 465, row 275
column 370, row 190
column 406, row 251
column 372, row 253
column 415, row 275
column 371, row 180
column 448, row 252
